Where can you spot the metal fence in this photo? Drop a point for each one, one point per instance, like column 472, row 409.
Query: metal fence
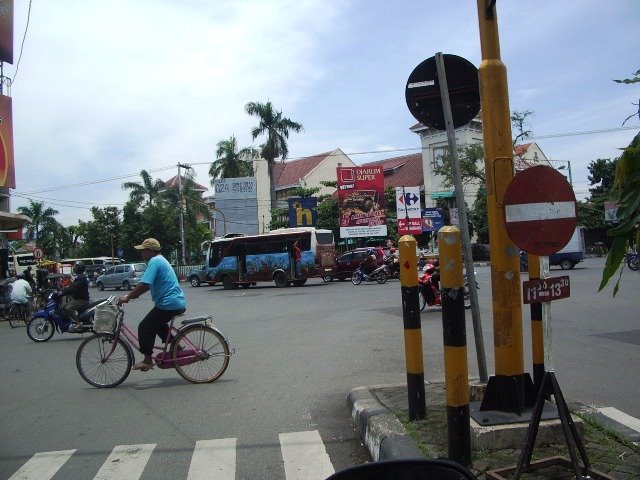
column 183, row 270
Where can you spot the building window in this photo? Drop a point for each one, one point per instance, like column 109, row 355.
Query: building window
column 439, row 155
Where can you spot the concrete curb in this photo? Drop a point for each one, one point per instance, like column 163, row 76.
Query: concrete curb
column 383, row 434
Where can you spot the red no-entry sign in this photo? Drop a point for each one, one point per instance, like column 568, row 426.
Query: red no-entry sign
column 540, row 211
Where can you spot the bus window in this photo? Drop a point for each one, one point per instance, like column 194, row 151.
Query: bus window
column 325, row 238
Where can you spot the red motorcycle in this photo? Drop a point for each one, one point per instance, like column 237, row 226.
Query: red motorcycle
column 429, row 287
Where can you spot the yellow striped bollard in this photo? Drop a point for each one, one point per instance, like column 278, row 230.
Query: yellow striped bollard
column 412, row 327
column 456, row 369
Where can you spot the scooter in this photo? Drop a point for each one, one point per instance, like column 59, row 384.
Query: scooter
column 392, row 267
column 430, row 294
column 52, row 317
column 378, row 275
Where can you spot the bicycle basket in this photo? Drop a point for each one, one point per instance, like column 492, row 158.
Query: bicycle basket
column 105, row 318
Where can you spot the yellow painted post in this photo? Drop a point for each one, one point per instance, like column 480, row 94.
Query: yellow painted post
column 412, row 327
column 506, row 390
column 456, row 367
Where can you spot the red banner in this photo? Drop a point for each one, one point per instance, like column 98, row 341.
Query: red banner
column 7, row 172
column 361, row 202
column 6, row 31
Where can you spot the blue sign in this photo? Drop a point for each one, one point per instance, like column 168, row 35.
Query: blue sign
column 432, row 219
column 409, row 199
column 303, row 211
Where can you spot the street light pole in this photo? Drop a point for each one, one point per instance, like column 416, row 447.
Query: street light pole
column 181, row 199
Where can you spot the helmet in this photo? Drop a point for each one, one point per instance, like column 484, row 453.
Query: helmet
column 20, row 276
column 79, row 267
column 370, row 251
column 392, row 250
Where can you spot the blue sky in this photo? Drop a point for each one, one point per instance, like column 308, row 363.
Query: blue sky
column 106, row 89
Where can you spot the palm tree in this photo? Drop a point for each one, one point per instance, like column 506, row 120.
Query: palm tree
column 230, row 162
column 148, row 189
column 276, row 128
column 40, row 216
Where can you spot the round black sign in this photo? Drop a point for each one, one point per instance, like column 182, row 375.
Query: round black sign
column 423, row 92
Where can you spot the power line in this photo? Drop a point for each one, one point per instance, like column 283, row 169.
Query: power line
column 22, row 44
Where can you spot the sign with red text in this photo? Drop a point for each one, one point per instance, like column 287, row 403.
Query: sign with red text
column 409, row 212
column 361, row 202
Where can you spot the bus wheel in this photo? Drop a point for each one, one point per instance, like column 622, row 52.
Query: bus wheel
column 227, row 283
column 281, row 280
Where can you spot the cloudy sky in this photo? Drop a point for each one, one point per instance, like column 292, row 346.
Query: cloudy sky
column 106, row 89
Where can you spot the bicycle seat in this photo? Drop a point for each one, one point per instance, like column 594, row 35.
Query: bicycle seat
column 407, row 469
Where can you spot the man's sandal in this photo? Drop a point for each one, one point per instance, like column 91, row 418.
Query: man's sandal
column 142, row 366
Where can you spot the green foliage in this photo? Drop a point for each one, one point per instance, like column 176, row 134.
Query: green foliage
column 602, row 175
column 635, row 79
column 328, row 216
column 626, row 234
column 100, row 235
column 231, row 163
column 43, row 225
column 479, row 217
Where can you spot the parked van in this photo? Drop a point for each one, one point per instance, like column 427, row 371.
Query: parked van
column 573, row 252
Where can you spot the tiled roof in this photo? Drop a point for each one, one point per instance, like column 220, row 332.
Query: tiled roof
column 173, row 183
column 521, row 149
column 405, row 171
column 290, row 173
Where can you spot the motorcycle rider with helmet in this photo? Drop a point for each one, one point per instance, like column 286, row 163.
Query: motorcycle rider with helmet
column 370, row 263
column 79, row 292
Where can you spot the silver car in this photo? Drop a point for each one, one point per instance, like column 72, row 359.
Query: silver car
column 126, row 276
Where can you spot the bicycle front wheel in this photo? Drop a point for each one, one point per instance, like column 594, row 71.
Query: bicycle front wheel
column 97, row 367
column 200, row 354
column 15, row 316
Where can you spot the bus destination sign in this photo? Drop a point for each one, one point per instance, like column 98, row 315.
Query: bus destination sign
column 546, row 289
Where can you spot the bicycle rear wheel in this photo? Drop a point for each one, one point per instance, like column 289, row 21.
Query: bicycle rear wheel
column 211, row 351
column 99, row 370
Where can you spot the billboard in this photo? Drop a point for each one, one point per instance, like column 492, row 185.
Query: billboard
column 7, row 170
column 6, row 31
column 236, row 205
column 303, row 211
column 432, row 219
column 409, row 212
column 361, row 202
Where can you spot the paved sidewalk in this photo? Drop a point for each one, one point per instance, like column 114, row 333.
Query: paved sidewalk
column 381, row 412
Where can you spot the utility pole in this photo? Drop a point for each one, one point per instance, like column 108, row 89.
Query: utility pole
column 181, row 199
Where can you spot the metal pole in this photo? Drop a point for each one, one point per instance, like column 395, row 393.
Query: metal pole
column 181, row 200
column 462, row 212
column 506, row 390
column 456, row 367
column 412, row 328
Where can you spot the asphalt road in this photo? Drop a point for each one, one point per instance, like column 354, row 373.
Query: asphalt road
column 298, row 353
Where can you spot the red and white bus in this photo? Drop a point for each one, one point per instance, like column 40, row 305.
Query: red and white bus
column 247, row 259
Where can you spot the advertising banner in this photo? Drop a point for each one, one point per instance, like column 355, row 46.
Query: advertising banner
column 7, row 170
column 361, row 202
column 408, row 210
column 432, row 219
column 237, row 205
column 6, row 31
column 303, row 211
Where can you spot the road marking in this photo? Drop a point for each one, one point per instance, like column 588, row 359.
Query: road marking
column 213, row 459
column 126, row 462
column 305, row 457
column 42, row 466
column 621, row 417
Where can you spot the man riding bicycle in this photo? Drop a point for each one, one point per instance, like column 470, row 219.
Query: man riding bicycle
column 167, row 296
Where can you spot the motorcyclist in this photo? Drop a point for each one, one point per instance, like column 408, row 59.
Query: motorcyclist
column 79, row 291
column 435, row 276
column 370, row 263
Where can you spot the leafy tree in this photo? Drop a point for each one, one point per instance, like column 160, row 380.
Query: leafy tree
column 100, row 236
column 479, row 216
column 626, row 235
column 277, row 129
column 149, row 191
column 231, row 163
column 41, row 218
column 602, row 175
column 635, row 79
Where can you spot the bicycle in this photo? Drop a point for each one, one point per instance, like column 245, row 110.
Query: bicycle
column 20, row 313
column 197, row 349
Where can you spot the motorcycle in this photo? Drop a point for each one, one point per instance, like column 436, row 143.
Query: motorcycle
column 430, row 294
column 45, row 322
column 392, row 267
column 378, row 275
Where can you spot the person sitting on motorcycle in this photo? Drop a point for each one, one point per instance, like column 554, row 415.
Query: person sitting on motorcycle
column 20, row 290
column 435, row 277
column 370, row 263
column 79, row 291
